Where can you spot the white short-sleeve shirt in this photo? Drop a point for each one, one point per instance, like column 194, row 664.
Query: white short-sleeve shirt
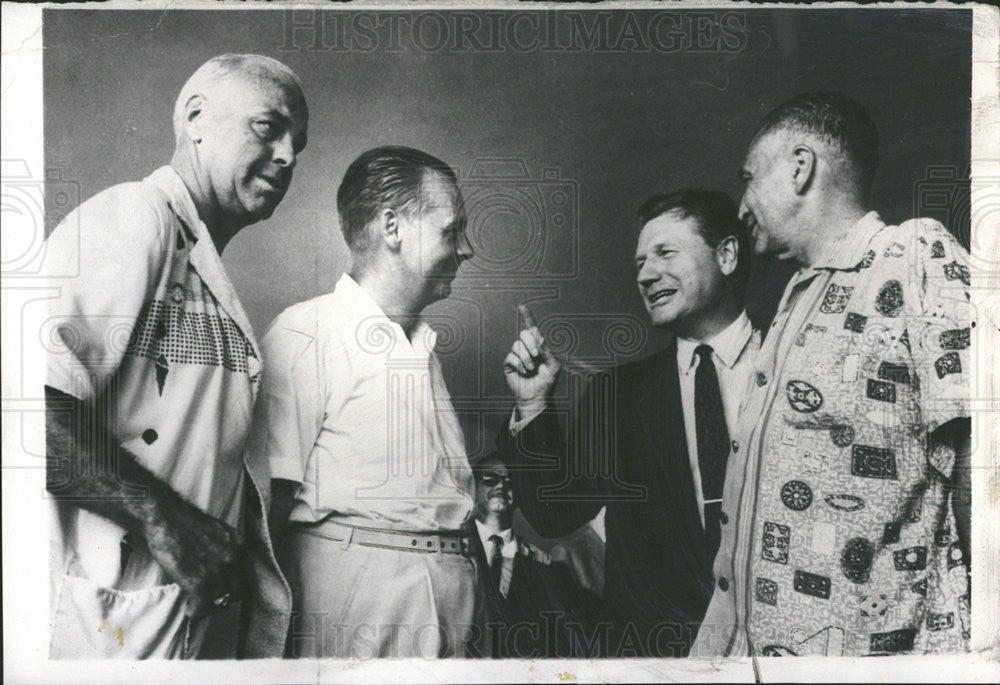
column 359, row 415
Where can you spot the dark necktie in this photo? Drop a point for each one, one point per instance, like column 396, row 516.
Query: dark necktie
column 713, row 442
column 496, row 561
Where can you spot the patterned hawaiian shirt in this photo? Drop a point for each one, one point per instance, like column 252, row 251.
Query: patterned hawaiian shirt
column 151, row 328
column 842, row 539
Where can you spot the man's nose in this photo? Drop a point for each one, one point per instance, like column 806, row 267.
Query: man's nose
column 284, row 151
column 647, row 276
column 743, row 211
column 463, row 248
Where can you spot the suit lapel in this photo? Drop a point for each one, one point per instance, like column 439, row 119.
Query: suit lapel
column 653, row 400
column 661, row 414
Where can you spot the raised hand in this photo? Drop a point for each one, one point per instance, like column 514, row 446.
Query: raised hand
column 531, row 369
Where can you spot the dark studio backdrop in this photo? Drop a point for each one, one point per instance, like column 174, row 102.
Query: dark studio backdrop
column 560, row 124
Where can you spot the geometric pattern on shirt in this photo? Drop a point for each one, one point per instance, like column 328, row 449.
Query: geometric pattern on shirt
column 889, row 301
column 835, row 300
column 169, row 334
column 849, row 506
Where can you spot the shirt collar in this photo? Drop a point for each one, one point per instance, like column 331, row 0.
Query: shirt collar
column 371, row 323
column 727, row 344
column 170, row 182
column 850, row 249
column 203, row 256
column 484, row 534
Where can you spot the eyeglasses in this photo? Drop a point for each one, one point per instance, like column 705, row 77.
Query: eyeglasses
column 491, row 478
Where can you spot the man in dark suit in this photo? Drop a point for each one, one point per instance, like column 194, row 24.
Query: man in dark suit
column 529, row 606
column 650, row 439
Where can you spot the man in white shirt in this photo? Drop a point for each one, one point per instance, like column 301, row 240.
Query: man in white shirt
column 151, row 383
column 651, row 439
column 370, row 477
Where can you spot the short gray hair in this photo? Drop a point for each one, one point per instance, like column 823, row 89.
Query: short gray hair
column 252, row 69
column 839, row 121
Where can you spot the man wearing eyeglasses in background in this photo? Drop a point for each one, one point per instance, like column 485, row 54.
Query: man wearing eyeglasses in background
column 531, row 604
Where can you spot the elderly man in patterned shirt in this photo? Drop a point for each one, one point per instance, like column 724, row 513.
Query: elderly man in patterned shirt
column 847, row 487
column 151, row 381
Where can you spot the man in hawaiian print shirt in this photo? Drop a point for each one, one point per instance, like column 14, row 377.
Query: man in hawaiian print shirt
column 847, row 491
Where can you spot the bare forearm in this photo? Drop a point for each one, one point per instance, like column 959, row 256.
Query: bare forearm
column 95, row 473
column 88, row 468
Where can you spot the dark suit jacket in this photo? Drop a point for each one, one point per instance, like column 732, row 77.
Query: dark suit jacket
column 546, row 613
column 626, row 449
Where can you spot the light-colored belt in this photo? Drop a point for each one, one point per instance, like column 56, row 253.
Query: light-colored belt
column 449, row 542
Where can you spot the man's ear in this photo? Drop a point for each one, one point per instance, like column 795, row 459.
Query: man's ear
column 805, row 167
column 727, row 255
column 387, row 228
column 194, row 117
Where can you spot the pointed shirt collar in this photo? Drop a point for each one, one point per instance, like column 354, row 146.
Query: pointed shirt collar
column 727, row 344
column 371, row 323
column 848, row 251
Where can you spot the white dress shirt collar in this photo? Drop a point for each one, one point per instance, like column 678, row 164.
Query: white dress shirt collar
column 508, row 550
column 727, row 344
column 372, row 325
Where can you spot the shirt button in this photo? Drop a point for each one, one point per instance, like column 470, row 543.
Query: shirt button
column 723, row 584
column 736, row 446
column 723, row 518
column 761, row 379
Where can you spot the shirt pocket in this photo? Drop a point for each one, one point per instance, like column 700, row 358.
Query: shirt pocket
column 94, row 622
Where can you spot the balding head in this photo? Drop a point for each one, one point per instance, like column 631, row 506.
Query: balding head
column 240, row 123
column 839, row 127
column 808, row 174
column 236, row 70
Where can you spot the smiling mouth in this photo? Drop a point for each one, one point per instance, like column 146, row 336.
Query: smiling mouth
column 660, row 296
column 274, row 183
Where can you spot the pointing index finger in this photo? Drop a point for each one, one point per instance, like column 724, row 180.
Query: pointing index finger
column 529, row 320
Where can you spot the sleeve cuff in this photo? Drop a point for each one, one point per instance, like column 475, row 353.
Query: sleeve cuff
column 517, row 425
column 286, row 469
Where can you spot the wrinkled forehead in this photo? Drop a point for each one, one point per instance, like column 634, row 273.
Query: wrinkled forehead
column 759, row 147
column 257, row 90
column 767, row 145
column 671, row 228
